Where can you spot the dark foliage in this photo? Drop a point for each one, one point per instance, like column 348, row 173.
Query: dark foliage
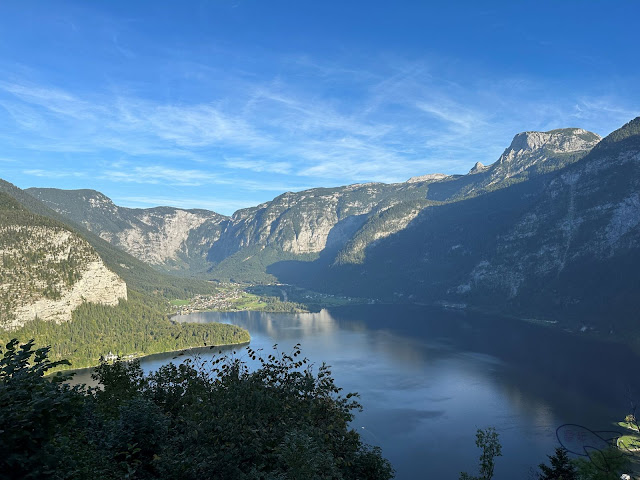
column 561, row 467
column 196, row 420
column 487, row 440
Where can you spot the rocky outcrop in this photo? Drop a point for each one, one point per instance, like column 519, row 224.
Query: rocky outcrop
column 47, row 271
column 431, row 177
column 477, row 168
column 537, row 148
column 563, row 140
column 97, row 284
column 168, row 237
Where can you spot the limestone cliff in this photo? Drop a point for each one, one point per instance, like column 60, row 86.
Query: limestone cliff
column 530, row 154
column 47, row 271
column 167, row 237
column 313, row 221
column 96, row 284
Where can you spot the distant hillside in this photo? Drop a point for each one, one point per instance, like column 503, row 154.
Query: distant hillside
column 138, row 275
column 332, row 225
column 172, row 238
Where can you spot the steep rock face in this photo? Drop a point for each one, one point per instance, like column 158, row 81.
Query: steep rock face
column 562, row 140
column 588, row 214
column 307, row 225
column 163, row 236
column 299, row 223
column 47, row 270
column 539, row 148
column 167, row 236
column 477, row 168
column 96, row 284
column 530, row 154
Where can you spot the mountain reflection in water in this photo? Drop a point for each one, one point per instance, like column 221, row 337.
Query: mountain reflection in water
column 427, row 378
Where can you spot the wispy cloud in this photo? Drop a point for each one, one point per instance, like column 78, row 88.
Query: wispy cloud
column 397, row 120
column 259, row 165
column 124, row 172
column 594, row 108
column 161, row 175
column 53, row 173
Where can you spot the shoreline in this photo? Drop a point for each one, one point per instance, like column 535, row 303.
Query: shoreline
column 129, row 358
column 541, row 322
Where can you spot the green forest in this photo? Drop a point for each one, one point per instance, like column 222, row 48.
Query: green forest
column 138, row 326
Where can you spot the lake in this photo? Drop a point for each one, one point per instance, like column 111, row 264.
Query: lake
column 428, row 378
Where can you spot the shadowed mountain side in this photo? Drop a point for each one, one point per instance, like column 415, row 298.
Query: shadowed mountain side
column 564, row 246
column 420, row 263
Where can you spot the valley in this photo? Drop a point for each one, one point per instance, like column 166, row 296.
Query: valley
column 526, row 237
column 319, row 240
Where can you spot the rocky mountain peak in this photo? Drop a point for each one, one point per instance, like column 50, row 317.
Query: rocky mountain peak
column 478, row 168
column 563, row 140
column 431, row 177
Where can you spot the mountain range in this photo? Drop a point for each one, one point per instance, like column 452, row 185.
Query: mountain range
column 549, row 231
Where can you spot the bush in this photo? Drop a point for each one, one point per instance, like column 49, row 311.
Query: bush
column 196, row 420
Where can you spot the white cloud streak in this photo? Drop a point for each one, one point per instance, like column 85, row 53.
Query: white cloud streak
column 53, row 173
column 162, row 175
column 403, row 121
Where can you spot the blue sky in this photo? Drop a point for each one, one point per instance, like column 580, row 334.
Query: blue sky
column 224, row 104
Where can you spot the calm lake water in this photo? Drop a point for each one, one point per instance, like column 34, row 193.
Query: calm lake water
column 427, row 378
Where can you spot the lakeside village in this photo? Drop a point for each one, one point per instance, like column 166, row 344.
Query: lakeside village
column 225, row 300
column 234, row 297
column 270, row 297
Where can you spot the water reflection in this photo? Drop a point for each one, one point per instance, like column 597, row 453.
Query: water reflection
column 276, row 326
column 428, row 378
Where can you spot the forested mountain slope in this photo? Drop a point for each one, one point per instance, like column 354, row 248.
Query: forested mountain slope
column 138, row 274
column 60, row 285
